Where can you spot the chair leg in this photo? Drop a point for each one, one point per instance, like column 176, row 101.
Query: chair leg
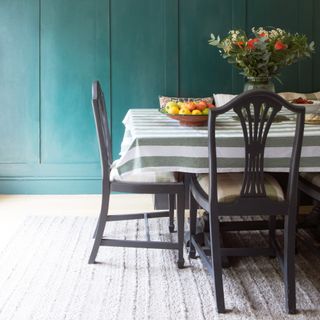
column 100, row 227
column 100, row 217
column 96, row 228
column 171, row 212
column 216, row 261
column 180, row 216
column 289, row 262
column 95, row 232
column 193, row 224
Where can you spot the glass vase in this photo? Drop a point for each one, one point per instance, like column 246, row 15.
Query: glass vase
column 264, row 83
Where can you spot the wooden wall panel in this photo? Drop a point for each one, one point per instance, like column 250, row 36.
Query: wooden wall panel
column 316, row 37
column 202, row 70
column 294, row 17
column 138, row 57
column 19, row 81
column 73, row 54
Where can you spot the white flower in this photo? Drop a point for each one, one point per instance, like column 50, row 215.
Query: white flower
column 260, row 30
column 227, row 45
column 280, row 31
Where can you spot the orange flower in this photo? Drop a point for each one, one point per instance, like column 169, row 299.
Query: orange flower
column 251, row 42
column 240, row 44
column 279, row 45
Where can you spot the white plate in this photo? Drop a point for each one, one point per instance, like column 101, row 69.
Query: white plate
column 310, row 107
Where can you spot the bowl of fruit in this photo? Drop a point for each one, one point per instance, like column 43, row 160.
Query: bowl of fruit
column 189, row 113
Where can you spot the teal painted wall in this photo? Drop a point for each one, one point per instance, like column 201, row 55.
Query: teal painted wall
column 51, row 51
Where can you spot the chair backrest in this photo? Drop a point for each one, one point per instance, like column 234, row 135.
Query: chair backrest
column 256, row 110
column 102, row 127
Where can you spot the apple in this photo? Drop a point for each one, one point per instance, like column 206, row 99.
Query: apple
column 205, row 111
column 173, row 109
column 184, row 111
column 191, row 105
column 183, row 105
column 170, row 104
column 196, row 112
column 201, row 105
column 210, row 105
column 180, row 103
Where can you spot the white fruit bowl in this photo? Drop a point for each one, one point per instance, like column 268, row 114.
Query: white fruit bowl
column 310, row 107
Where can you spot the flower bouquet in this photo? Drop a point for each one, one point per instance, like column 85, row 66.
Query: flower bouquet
column 261, row 56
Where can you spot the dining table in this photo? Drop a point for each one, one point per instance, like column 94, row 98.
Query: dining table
column 153, row 142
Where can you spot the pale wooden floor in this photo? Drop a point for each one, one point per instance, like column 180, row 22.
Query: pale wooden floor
column 14, row 208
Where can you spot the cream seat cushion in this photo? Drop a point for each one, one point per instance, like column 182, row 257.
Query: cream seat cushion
column 312, row 177
column 230, row 184
column 146, row 177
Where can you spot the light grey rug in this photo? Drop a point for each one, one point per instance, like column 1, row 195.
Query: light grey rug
column 44, row 275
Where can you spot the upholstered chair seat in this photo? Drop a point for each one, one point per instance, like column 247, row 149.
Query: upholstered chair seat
column 229, row 186
column 312, row 177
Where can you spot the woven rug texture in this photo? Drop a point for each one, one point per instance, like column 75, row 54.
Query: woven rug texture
column 44, row 275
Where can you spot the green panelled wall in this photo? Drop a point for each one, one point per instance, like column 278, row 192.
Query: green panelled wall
column 138, row 58
column 19, row 79
column 51, row 51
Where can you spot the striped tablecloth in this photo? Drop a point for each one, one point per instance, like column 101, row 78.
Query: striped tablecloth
column 154, row 142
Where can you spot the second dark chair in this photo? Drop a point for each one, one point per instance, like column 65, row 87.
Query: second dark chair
column 136, row 184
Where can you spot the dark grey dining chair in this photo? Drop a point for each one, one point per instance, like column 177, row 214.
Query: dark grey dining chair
column 136, row 183
column 251, row 192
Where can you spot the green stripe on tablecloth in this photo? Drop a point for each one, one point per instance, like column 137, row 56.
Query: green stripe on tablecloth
column 311, row 141
column 223, row 163
column 221, row 142
column 145, row 162
column 190, row 141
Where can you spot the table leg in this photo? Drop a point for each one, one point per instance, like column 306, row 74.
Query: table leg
column 312, row 221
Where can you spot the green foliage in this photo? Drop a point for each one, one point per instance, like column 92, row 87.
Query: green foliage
column 265, row 53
